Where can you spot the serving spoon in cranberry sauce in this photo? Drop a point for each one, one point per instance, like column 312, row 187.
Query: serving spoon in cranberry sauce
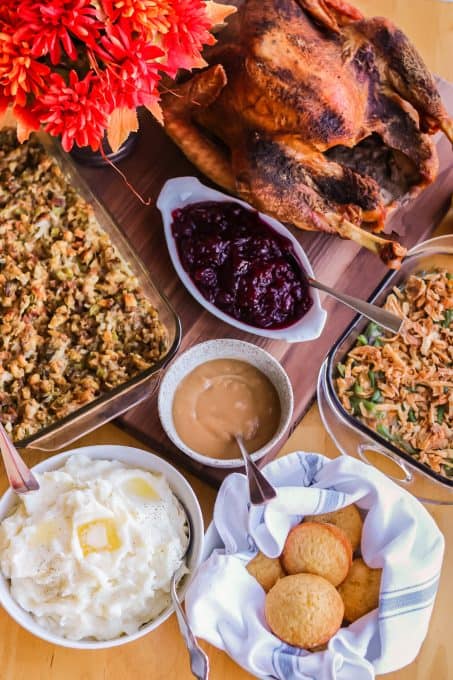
column 249, row 271
column 247, row 268
column 382, row 317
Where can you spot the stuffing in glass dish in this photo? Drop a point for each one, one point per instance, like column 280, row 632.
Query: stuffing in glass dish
column 74, row 321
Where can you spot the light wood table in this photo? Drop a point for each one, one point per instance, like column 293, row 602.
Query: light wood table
column 162, row 655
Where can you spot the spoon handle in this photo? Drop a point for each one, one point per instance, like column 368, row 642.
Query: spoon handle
column 20, row 477
column 199, row 661
column 261, row 491
column 380, row 316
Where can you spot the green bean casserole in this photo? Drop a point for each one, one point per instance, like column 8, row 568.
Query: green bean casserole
column 402, row 386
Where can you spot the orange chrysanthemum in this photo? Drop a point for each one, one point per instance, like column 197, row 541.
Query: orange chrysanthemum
column 81, row 67
column 76, row 111
column 189, row 31
column 148, row 17
column 131, row 66
column 53, row 27
column 20, row 73
column 180, row 27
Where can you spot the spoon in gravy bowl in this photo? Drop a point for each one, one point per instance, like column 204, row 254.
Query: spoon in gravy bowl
column 261, row 491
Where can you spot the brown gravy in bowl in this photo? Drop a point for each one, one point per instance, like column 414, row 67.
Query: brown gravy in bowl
column 221, row 398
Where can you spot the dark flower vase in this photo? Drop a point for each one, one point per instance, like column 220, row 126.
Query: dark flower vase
column 86, row 156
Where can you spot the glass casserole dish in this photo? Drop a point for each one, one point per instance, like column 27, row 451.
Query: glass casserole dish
column 131, row 384
column 351, row 435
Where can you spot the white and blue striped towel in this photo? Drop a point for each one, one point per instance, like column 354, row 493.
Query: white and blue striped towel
column 225, row 604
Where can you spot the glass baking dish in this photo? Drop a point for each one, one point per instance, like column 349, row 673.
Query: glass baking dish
column 110, row 404
column 350, row 435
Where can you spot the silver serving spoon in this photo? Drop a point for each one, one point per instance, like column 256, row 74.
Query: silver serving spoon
column 199, row 662
column 261, row 491
column 380, row 316
column 20, row 477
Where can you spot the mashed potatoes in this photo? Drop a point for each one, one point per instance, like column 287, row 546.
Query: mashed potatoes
column 91, row 554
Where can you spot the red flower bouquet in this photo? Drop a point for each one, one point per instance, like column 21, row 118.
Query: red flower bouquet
column 80, row 68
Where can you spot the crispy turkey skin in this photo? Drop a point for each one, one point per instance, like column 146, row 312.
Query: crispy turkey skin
column 315, row 115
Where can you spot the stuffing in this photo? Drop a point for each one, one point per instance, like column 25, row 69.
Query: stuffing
column 74, row 321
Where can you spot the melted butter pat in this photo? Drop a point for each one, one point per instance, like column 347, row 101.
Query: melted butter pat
column 139, row 487
column 100, row 535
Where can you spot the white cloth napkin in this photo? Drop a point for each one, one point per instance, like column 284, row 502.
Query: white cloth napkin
column 225, row 605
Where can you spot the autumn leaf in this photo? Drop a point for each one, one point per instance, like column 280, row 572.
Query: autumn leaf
column 4, row 103
column 20, row 118
column 217, row 12
column 199, row 63
column 23, row 131
column 121, row 123
column 7, row 117
column 155, row 110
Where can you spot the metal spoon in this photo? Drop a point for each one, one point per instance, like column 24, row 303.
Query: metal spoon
column 261, row 491
column 380, row 316
column 20, row 477
column 199, row 662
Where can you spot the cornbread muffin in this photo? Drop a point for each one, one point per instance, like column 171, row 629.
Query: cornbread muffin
column 316, row 548
column 348, row 519
column 265, row 570
column 304, row 610
column 360, row 590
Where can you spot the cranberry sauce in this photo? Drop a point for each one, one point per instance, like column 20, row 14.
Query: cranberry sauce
column 240, row 264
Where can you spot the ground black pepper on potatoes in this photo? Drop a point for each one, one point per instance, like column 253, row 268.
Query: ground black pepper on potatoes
column 402, row 386
column 74, row 322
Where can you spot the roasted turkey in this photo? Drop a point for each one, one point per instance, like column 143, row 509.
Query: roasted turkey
column 315, row 115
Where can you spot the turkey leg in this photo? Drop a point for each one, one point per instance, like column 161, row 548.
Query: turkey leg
column 294, row 184
column 178, row 106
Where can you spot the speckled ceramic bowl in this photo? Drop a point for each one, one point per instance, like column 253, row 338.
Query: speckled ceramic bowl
column 224, row 349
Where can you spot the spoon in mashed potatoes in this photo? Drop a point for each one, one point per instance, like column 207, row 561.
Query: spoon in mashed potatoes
column 91, row 554
column 199, row 662
column 20, row 477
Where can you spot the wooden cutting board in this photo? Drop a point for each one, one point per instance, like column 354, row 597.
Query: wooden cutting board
column 338, row 263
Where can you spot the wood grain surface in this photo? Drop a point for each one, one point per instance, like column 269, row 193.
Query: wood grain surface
column 338, row 263
column 161, row 655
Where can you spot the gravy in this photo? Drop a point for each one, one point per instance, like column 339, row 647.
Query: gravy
column 221, row 398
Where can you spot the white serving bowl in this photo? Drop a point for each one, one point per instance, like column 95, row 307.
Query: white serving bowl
column 133, row 458
column 181, row 191
column 224, row 349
